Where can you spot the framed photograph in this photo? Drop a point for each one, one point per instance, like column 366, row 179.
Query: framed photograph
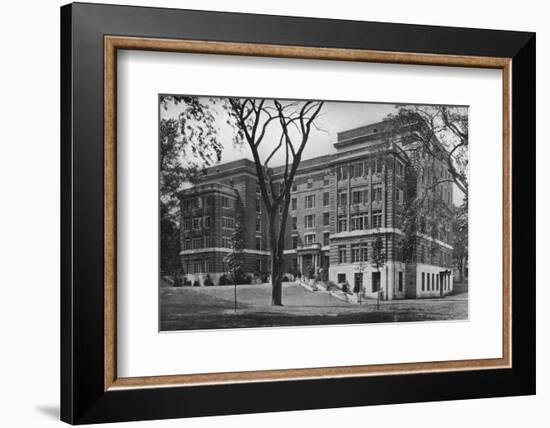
column 266, row 213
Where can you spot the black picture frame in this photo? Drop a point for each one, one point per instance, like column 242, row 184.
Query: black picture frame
column 83, row 398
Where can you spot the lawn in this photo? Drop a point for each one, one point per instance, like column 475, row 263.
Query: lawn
column 185, row 308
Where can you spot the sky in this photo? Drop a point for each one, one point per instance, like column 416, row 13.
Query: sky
column 334, row 117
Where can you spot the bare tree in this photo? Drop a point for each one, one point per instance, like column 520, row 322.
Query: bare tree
column 251, row 119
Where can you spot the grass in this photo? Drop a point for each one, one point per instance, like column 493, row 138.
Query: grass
column 187, row 308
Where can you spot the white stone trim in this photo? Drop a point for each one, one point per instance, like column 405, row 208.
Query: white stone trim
column 222, row 250
column 356, row 233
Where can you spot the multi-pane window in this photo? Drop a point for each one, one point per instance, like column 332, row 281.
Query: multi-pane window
column 206, row 222
column 293, row 203
column 377, row 219
column 400, row 282
column 309, row 183
column 186, row 204
column 258, row 205
column 195, row 202
column 326, row 219
column 310, row 239
column 294, row 223
column 355, row 253
column 258, row 242
column 187, row 224
column 228, row 222
column 342, row 224
column 341, row 254
column 197, row 243
column 343, row 199
column 423, row 281
column 428, row 282
column 258, row 224
column 198, row 267
column 225, row 202
column 226, row 242
column 359, row 222
column 326, row 199
column 326, row 181
column 258, row 191
column 294, row 241
column 208, row 201
column 206, row 241
column 357, row 170
column 309, row 221
column 400, row 169
column 356, row 197
column 377, row 194
column 188, row 244
column 326, row 239
column 378, row 166
column 310, row 201
column 364, row 252
column 197, row 223
column 399, row 196
column 342, row 172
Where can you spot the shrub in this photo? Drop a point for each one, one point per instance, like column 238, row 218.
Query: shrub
column 196, row 283
column 223, row 280
column 186, row 282
column 285, row 278
column 177, row 281
column 208, row 281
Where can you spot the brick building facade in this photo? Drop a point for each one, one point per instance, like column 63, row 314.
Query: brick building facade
column 340, row 204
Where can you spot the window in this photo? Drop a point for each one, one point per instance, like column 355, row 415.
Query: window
column 225, row 202
column 343, row 199
column 310, row 239
column 309, row 221
column 326, row 239
column 294, row 223
column 258, row 191
column 208, row 201
column 433, row 281
column 400, row 169
column 293, row 204
column 187, row 224
column 258, row 224
column 206, row 222
column 188, row 244
column 355, row 253
column 428, row 282
column 206, row 241
column 310, row 201
column 294, row 187
column 359, row 222
column 326, row 181
column 226, row 242
column 258, row 205
column 341, row 254
column 186, row 203
column 423, row 278
column 357, row 170
column 258, row 265
column 195, row 203
column 326, row 199
column 228, row 222
column 378, row 166
column 197, row 243
column 400, row 282
column 364, row 252
column 197, row 223
column 356, row 197
column 377, row 219
column 342, row 173
column 342, row 224
column 377, row 194
column 399, row 196
column 309, row 183
column 198, row 267
column 437, row 282
column 258, row 242
column 341, row 278
column 326, row 219
column 294, row 241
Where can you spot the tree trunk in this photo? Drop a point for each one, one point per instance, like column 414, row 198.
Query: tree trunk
column 276, row 263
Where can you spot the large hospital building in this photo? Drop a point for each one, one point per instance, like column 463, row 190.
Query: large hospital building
column 341, row 203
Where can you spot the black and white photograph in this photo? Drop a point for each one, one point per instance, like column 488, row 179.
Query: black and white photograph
column 282, row 212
